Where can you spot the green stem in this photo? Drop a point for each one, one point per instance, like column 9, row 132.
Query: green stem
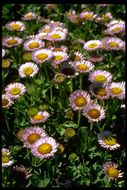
column 6, row 120
column 91, row 126
column 79, row 117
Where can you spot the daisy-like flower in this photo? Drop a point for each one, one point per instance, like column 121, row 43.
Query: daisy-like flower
column 100, row 76
column 33, row 44
column 29, row 16
column 3, row 52
column 111, row 171
column 58, row 58
column 56, row 49
column 6, row 63
column 6, row 158
column 42, row 55
column 6, row 101
column 87, row 15
column 15, row 90
column 117, row 89
column 78, row 99
column 93, row 112
column 72, row 16
column 28, row 69
column 12, row 41
column 112, row 43
column 68, row 70
column 115, row 29
column 60, row 29
column 106, row 140
column 16, row 25
column 31, row 135
column 56, row 36
column 40, row 117
column 114, row 22
column 92, row 45
column 77, row 56
column 44, row 147
column 100, row 91
column 83, row 66
column 95, row 58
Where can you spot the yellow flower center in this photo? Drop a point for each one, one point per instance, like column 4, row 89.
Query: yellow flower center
column 33, row 45
column 42, row 56
column 12, row 42
column 29, row 15
column 28, row 70
column 45, row 148
column 38, row 117
column 33, row 137
column 112, row 172
column 109, row 141
column 82, row 67
column 5, row 159
column 113, row 44
column 93, row 113
column 46, row 30
column 16, row 26
column 116, row 29
column 15, row 91
column 58, row 58
column 4, row 154
column 88, row 15
column 93, row 45
column 100, row 78
column 116, row 90
column 100, row 91
column 55, row 36
column 57, row 49
column 5, row 102
column 80, row 101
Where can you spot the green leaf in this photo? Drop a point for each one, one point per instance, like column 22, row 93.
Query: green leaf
column 43, row 183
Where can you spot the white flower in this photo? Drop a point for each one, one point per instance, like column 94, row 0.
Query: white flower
column 33, row 44
column 15, row 90
column 117, row 89
column 44, row 147
column 42, row 55
column 6, row 101
column 94, row 112
column 11, row 41
column 16, row 25
column 40, row 117
column 28, row 69
column 100, row 76
column 106, row 140
column 92, row 45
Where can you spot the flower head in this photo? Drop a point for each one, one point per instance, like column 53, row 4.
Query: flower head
column 100, row 90
column 100, row 76
column 42, row 55
column 59, row 57
column 40, row 117
column 44, row 147
column 12, row 41
column 29, row 16
column 83, row 66
column 92, row 45
column 87, row 15
column 107, row 141
column 77, row 56
column 33, row 44
column 15, row 90
column 112, row 43
column 56, row 36
column 115, row 29
column 16, row 25
column 59, row 78
column 95, row 58
column 28, row 69
column 31, row 134
column 94, row 112
column 78, row 99
column 117, row 89
column 22, row 170
column 6, row 101
column 111, row 171
column 68, row 70
column 6, row 158
column 3, row 52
